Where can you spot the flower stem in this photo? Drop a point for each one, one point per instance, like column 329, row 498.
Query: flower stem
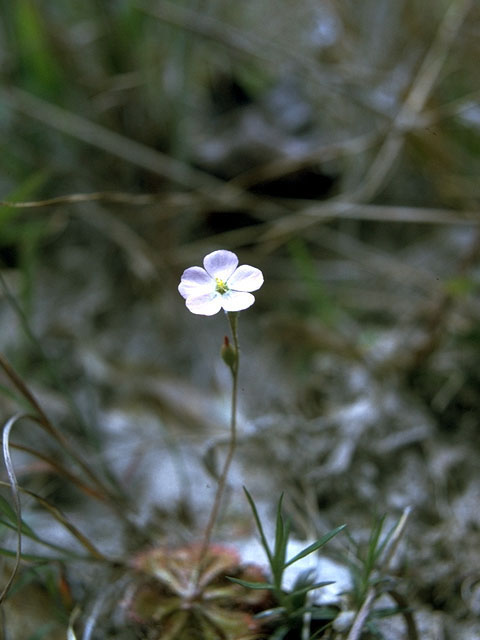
column 222, row 482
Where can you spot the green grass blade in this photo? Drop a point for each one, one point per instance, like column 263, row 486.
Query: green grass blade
column 373, row 550
column 279, row 527
column 307, row 588
column 259, row 527
column 280, row 549
column 25, row 529
column 8, row 553
column 316, row 545
column 7, row 510
column 252, row 585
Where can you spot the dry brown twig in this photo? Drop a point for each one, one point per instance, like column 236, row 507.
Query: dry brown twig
column 406, row 119
column 245, row 43
column 173, row 170
column 421, row 87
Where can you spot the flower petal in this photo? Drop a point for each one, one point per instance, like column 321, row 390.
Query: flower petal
column 236, row 300
column 195, row 281
column 220, row 264
column 207, row 304
column 246, row 278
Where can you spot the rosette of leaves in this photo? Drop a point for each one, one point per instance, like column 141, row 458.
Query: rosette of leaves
column 184, row 597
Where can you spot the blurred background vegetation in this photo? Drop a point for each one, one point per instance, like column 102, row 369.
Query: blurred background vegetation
column 336, row 146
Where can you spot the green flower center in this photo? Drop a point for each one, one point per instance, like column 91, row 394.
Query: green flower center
column 221, row 286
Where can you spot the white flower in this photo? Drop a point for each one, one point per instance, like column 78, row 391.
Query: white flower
column 221, row 285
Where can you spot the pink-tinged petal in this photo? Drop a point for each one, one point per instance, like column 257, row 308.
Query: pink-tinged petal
column 205, row 305
column 246, row 278
column 195, row 280
column 220, row 264
column 236, row 300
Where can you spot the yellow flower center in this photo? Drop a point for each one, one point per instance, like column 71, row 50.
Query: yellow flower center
column 221, row 286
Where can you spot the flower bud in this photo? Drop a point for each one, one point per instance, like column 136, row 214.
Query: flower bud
column 228, row 353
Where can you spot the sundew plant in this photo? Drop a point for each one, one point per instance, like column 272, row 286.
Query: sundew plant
column 222, row 284
column 177, row 590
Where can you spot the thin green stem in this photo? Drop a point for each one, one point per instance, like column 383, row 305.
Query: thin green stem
column 222, row 482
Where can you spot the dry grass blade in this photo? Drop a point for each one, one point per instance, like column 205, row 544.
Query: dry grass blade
column 394, row 540
column 384, row 563
column 349, row 205
column 129, row 150
column 421, row 88
column 283, row 166
column 73, row 618
column 76, row 198
column 281, row 230
column 90, row 621
column 43, row 421
column 210, row 28
column 407, row 614
column 385, row 213
column 94, row 553
column 245, row 44
column 208, row 189
column 242, row 43
column 142, row 258
column 24, row 390
column 15, row 496
column 61, row 470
